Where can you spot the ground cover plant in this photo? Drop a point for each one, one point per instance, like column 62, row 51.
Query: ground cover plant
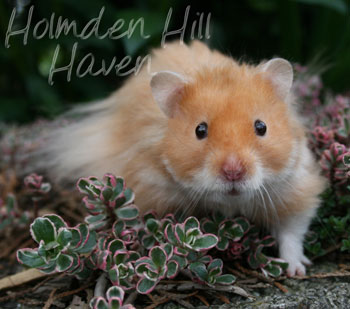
column 98, row 236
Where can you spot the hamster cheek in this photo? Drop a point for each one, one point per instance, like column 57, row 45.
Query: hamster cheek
column 204, row 179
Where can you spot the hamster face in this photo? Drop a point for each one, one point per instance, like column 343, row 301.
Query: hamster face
column 231, row 133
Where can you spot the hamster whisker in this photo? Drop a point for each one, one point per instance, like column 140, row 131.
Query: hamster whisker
column 273, row 206
column 263, row 202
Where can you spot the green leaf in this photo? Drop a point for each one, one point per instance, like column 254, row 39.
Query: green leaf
column 209, row 227
column 191, row 223
column 199, row 270
column 76, row 237
column 64, row 262
column 83, row 185
column 182, row 261
column 158, row 256
column 99, row 303
column 215, row 263
column 118, row 227
column 115, row 245
column 273, row 270
column 30, row 258
column 179, row 233
column 115, row 303
column 129, row 196
column 281, row 263
column 222, row 244
column 120, row 257
column 205, row 259
column 83, row 234
column 252, row 261
column 127, row 212
column 205, row 242
column 49, row 268
column 115, row 291
column 113, row 274
column 145, row 286
column 168, row 248
column 243, row 223
column 173, row 269
column 107, row 193
column 346, row 159
column 267, row 241
column 56, row 220
column 94, row 219
column 64, row 237
column 169, row 233
column 226, row 279
column 43, row 229
column 148, row 241
column 90, row 244
column 152, row 225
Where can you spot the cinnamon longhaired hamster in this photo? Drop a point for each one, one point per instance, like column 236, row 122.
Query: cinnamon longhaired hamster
column 202, row 132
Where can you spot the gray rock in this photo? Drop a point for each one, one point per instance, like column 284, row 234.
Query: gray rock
column 311, row 294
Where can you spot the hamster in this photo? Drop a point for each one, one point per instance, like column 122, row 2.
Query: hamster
column 200, row 133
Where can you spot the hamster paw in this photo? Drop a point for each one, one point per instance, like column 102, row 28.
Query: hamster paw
column 297, row 267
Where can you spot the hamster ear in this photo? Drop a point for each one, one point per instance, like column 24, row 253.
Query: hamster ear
column 280, row 72
column 167, row 89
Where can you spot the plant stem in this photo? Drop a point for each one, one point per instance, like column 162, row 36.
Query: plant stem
column 100, row 287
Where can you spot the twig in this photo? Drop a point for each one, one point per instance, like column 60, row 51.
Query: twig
column 166, row 293
column 159, row 301
column 23, row 292
column 254, row 274
column 248, row 281
column 195, row 286
column 236, row 273
column 51, row 299
column 131, row 298
column 152, row 298
column 324, row 275
column 179, row 298
column 281, row 287
column 223, row 298
column 202, row 299
column 344, row 266
column 20, row 278
column 262, row 277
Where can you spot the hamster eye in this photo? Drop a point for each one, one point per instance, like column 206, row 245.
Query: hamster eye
column 202, row 130
column 260, row 127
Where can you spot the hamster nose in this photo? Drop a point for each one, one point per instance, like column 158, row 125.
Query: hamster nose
column 232, row 170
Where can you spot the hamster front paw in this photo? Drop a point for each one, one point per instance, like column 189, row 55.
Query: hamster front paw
column 296, row 267
column 290, row 235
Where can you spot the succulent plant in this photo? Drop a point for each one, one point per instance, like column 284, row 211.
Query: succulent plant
column 10, row 215
column 154, row 267
column 211, row 273
column 34, row 183
column 106, row 201
column 138, row 252
column 59, row 247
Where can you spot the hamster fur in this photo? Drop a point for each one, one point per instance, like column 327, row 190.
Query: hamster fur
column 146, row 132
